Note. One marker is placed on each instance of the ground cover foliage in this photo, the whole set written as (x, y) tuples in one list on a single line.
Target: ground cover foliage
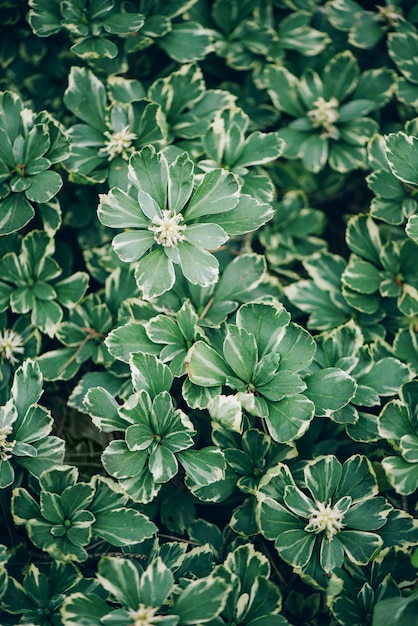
[(208, 312)]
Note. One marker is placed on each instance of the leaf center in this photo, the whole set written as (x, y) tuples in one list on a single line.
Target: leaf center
[(325, 518), (6, 447), (324, 116), (167, 229), (10, 344), (119, 144)]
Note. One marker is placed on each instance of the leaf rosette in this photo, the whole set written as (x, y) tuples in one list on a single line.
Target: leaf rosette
[(169, 221), (25, 428), (398, 424), (30, 144), (157, 437), (333, 515), (329, 110), (263, 357)]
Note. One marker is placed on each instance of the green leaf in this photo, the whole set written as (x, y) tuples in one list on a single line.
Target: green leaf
[(121, 463), (187, 41), (95, 48), (240, 277), (119, 209), (361, 276), (360, 546), (370, 514), (205, 367), (402, 476), (201, 601), (289, 418), (282, 87), (70, 290), (154, 274), (121, 578), (49, 452), (156, 583), (411, 228), (180, 182), (132, 245), (357, 479), (203, 467), (398, 610), (340, 76), (292, 542), (123, 527), (322, 477), (240, 352), (227, 411), (198, 266), (60, 364), (363, 238), (149, 374), (314, 153), (26, 388), (7, 473), (148, 172), (260, 148), (16, 212), (43, 186), (330, 389), (266, 323), (84, 609), (85, 96), (247, 215), (103, 409), (130, 338), (402, 155), (218, 192), (386, 376)]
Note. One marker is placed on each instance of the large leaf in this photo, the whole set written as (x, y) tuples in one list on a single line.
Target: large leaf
[(154, 274), (44, 186), (240, 277), (240, 352), (149, 374), (402, 156), (103, 409), (16, 212), (121, 578), (198, 266), (289, 418), (119, 209), (123, 527), (201, 601), (247, 215), (130, 338), (86, 97), (330, 389), (186, 41), (84, 609), (205, 367), (217, 193)]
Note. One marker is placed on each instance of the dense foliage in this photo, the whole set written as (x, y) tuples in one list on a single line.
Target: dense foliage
[(208, 312)]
